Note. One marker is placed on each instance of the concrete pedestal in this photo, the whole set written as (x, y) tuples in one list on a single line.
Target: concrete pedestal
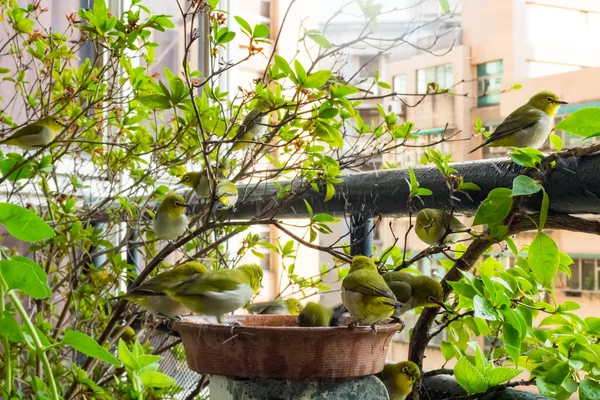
[(223, 388)]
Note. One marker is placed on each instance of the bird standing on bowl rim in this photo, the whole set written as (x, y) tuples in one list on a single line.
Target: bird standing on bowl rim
[(151, 294), (527, 126), (219, 292), (399, 378), (291, 306), (170, 220), (36, 134), (366, 295), (414, 290), (436, 227)]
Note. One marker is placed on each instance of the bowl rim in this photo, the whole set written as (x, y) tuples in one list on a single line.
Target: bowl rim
[(200, 323)]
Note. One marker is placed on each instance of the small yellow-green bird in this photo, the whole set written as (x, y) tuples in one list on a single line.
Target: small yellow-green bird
[(527, 126), (289, 306), (414, 290), (170, 220), (433, 224), (199, 181), (35, 135), (227, 195), (315, 315), (399, 378), (366, 295), (219, 292), (253, 127), (151, 294)]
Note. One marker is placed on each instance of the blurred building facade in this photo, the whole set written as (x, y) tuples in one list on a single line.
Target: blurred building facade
[(504, 44)]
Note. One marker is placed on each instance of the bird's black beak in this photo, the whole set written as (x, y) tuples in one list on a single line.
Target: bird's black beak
[(186, 205), (560, 102)]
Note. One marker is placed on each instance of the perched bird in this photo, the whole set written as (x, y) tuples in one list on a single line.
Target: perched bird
[(289, 306), (253, 127), (315, 315), (219, 292), (414, 290), (170, 221), (527, 126), (199, 181), (433, 224), (226, 194), (151, 295), (399, 378), (366, 295), (35, 135)]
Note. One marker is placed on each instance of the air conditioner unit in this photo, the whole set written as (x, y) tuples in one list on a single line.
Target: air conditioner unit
[(397, 107)]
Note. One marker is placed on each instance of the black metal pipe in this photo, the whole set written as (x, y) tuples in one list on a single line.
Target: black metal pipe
[(361, 236), (573, 187)]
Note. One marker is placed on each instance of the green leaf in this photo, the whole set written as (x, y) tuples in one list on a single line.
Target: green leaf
[(21, 276), (483, 308), (261, 31), (318, 38), (156, 379), (243, 24), (589, 390), (543, 258), (516, 86), (226, 37), (556, 141), (584, 122), (329, 191), (495, 207), (285, 68), (317, 79), (156, 102), (88, 346), (526, 156), (544, 210), (447, 350), (469, 377), (12, 160), (501, 374), (10, 328), (524, 186), (445, 6), (24, 224), (512, 342), (126, 357), (300, 72)]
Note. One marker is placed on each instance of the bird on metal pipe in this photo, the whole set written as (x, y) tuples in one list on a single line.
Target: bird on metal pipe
[(527, 126)]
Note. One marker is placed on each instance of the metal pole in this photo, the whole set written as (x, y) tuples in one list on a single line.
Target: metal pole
[(573, 188), (361, 235), (134, 257)]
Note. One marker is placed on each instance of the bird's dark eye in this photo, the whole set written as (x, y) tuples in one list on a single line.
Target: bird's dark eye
[(177, 204), (405, 370), (549, 99), (432, 299)]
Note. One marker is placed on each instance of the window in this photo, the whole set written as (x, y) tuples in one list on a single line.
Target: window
[(489, 82), (265, 234), (368, 65), (443, 75), (412, 155), (400, 84), (585, 274)]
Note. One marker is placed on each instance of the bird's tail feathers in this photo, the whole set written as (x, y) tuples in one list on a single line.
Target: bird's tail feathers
[(338, 311), (478, 147)]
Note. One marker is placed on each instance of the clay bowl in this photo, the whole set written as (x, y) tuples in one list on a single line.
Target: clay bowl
[(274, 346)]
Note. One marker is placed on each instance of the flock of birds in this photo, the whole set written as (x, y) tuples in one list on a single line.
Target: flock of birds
[(369, 297)]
